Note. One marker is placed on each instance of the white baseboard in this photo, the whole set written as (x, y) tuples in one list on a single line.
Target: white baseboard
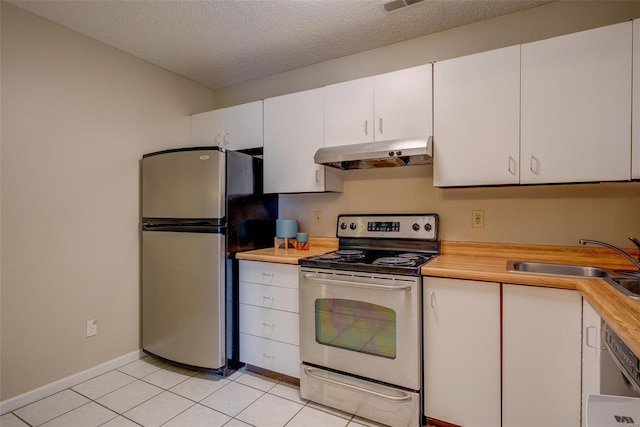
[(67, 382)]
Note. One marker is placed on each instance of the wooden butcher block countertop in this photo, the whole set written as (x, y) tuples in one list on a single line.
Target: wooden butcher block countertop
[(487, 262), (317, 246)]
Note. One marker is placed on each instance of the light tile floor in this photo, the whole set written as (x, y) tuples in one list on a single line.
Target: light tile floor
[(151, 393)]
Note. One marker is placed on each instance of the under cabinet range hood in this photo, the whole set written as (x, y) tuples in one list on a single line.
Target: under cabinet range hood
[(380, 154)]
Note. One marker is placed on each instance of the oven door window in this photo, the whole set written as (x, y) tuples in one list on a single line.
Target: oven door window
[(356, 326)]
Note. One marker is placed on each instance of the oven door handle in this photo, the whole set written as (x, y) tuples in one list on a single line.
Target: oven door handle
[(373, 286), (404, 398)]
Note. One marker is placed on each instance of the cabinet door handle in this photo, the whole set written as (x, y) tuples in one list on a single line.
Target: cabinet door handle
[(587, 343), (317, 175), (380, 125), (534, 165), (432, 298), (512, 166), (226, 138), (217, 139), (366, 127)]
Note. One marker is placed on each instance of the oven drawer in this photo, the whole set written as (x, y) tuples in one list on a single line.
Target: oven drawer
[(269, 273), (266, 296), (272, 355), (391, 406), (271, 324)]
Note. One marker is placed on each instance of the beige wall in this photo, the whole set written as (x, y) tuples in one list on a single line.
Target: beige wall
[(76, 118), (539, 214)]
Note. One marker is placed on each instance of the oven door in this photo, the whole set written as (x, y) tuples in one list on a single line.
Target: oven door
[(362, 324)]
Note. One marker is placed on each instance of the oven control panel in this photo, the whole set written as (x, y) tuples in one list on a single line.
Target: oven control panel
[(409, 226)]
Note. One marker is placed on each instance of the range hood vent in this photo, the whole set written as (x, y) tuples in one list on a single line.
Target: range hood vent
[(381, 154)]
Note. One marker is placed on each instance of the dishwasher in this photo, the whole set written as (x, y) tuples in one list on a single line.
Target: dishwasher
[(618, 403)]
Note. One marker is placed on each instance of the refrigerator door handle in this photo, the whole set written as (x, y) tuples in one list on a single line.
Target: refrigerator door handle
[(195, 227)]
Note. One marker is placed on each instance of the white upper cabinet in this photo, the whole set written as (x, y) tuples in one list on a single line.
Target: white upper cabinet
[(207, 128), (243, 126), (348, 112), (234, 128), (403, 103), (635, 146), (576, 107), (477, 119), (387, 106), (293, 132)]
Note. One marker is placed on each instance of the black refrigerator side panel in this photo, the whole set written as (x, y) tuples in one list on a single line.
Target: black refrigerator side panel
[(251, 214), (251, 222)]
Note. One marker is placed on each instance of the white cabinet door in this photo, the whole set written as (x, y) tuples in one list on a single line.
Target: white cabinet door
[(293, 132), (592, 348), (403, 103), (234, 128), (635, 149), (576, 107), (348, 112), (541, 354), (477, 119), (207, 129), (462, 351), (243, 126)]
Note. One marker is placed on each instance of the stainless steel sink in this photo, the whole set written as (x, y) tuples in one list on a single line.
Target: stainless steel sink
[(628, 286), (625, 281), (557, 269)]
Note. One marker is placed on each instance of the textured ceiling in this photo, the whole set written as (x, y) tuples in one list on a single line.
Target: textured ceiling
[(219, 43)]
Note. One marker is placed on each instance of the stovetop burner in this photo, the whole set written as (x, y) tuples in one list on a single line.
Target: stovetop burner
[(393, 260)]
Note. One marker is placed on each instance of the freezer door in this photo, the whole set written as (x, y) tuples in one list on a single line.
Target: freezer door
[(184, 184), (183, 303)]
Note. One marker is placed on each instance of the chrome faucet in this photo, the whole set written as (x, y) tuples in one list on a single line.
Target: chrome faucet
[(620, 251)]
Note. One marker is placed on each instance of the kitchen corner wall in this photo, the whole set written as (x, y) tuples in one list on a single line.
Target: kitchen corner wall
[(558, 214), (77, 116)]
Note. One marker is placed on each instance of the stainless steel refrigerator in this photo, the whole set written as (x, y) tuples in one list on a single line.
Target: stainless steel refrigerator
[(200, 206)]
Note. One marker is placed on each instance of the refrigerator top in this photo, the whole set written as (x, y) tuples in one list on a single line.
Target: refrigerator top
[(176, 150)]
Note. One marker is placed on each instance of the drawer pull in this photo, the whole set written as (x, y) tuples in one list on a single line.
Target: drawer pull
[(266, 297), (267, 278), (267, 325), (268, 356)]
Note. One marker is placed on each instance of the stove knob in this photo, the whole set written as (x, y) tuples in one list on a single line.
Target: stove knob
[(428, 227), (352, 226), (416, 226), (343, 225)]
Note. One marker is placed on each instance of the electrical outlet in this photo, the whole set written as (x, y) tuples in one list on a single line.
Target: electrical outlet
[(92, 328), (477, 219), (317, 217)]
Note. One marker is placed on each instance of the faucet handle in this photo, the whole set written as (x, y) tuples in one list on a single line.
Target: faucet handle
[(637, 243)]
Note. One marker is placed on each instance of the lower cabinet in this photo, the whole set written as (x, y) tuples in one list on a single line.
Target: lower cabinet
[(541, 356), (269, 332), (462, 351), (592, 348), (502, 355)]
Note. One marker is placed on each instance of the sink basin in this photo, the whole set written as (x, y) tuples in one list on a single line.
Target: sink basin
[(625, 281), (557, 269), (629, 287)]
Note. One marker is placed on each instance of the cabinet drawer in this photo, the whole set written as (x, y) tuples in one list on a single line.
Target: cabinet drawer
[(272, 324), (272, 355), (269, 273), (269, 296)]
